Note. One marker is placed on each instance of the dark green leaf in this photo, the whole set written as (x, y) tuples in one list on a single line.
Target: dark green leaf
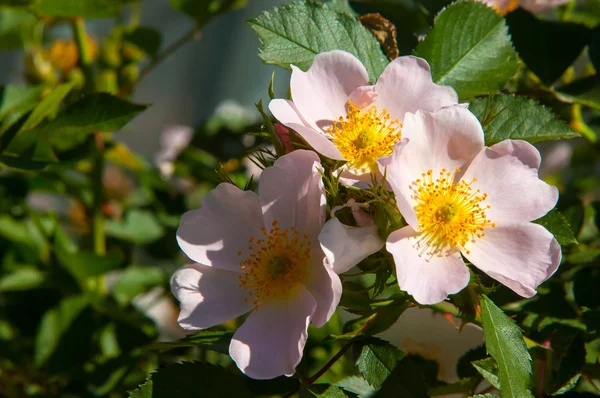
[(557, 224), (15, 3), (16, 28), (84, 265), (488, 368), (463, 386), (75, 8), (197, 380), (464, 368), (547, 47), (356, 385), (146, 39), (47, 107), (585, 283), (55, 325), (136, 280), (24, 278), (355, 297), (203, 11), (594, 48), (144, 391), (584, 91), (323, 391), (504, 341), (139, 226), (294, 33), (377, 361), (406, 381), (469, 49), (518, 118), (16, 101)]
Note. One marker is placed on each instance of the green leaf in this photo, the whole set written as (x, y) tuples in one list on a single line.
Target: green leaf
[(469, 49), (323, 391), (504, 342), (139, 226), (16, 29), (377, 361), (84, 265), (488, 368), (558, 226), (406, 381), (15, 3), (463, 386), (78, 8), (25, 278), (594, 48), (193, 379), (96, 112), (47, 107), (356, 385), (13, 230), (355, 297), (518, 118), (136, 280), (16, 101), (294, 33), (547, 47), (204, 11), (146, 39), (55, 325), (584, 91), (144, 391)]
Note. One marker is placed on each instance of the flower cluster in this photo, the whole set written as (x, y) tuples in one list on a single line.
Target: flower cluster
[(274, 256)]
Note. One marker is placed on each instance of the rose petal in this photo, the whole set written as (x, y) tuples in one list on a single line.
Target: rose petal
[(291, 193), (209, 296), (518, 255), (346, 246), (508, 173), (325, 285), (286, 112), (271, 341), (321, 93), (213, 234), (428, 280), (406, 86)]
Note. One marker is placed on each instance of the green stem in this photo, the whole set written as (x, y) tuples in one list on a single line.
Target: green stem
[(98, 192), (85, 58), (581, 126)]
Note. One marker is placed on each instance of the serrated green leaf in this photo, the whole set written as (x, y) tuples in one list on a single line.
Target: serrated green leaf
[(469, 49), (558, 226), (355, 297), (24, 278), (488, 368), (377, 361), (47, 107), (78, 8), (518, 118), (139, 226), (406, 381), (144, 391), (356, 385), (547, 47), (294, 33), (504, 342), (462, 386), (323, 391), (16, 28), (203, 11)]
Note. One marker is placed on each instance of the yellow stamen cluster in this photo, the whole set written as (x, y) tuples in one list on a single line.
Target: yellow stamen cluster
[(275, 264), (449, 213), (365, 136)]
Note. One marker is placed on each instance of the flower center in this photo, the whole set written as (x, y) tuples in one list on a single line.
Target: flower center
[(365, 136), (275, 264), (449, 213)]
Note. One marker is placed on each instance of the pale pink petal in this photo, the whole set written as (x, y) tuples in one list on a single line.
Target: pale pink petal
[(213, 234), (350, 179), (508, 173), (541, 6), (291, 193), (364, 96), (209, 296), (271, 341), (325, 286), (518, 255), (321, 93), (346, 246), (395, 177), (428, 279), (286, 112), (406, 86)]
